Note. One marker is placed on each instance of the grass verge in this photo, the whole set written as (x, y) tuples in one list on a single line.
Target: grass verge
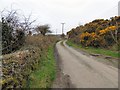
[(94, 50), (44, 76)]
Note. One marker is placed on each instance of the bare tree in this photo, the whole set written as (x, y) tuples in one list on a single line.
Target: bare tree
[(14, 30), (26, 25)]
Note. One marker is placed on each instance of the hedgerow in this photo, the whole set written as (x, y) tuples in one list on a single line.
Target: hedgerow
[(18, 66)]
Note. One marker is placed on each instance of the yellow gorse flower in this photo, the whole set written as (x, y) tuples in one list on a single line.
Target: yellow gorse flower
[(111, 28)]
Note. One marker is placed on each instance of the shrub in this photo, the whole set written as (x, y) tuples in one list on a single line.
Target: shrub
[(98, 33)]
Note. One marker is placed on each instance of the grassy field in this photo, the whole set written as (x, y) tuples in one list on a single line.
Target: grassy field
[(44, 77), (95, 50)]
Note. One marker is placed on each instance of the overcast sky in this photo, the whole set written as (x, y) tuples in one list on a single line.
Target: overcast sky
[(71, 12)]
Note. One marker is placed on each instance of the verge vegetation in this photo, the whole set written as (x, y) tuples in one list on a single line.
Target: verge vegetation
[(94, 50), (46, 73), (31, 66), (99, 36)]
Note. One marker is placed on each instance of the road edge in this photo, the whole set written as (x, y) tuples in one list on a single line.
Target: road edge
[(62, 80)]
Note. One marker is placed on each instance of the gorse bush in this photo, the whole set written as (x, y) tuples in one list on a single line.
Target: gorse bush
[(98, 33), (90, 39)]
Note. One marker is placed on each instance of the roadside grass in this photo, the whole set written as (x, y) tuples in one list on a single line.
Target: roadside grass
[(62, 43), (94, 50), (44, 76)]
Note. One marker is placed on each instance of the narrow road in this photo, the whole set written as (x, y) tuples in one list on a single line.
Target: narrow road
[(84, 71)]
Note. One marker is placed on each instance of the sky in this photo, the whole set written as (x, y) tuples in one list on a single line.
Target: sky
[(71, 12)]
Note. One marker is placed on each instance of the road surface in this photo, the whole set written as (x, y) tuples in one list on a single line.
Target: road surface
[(84, 71)]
